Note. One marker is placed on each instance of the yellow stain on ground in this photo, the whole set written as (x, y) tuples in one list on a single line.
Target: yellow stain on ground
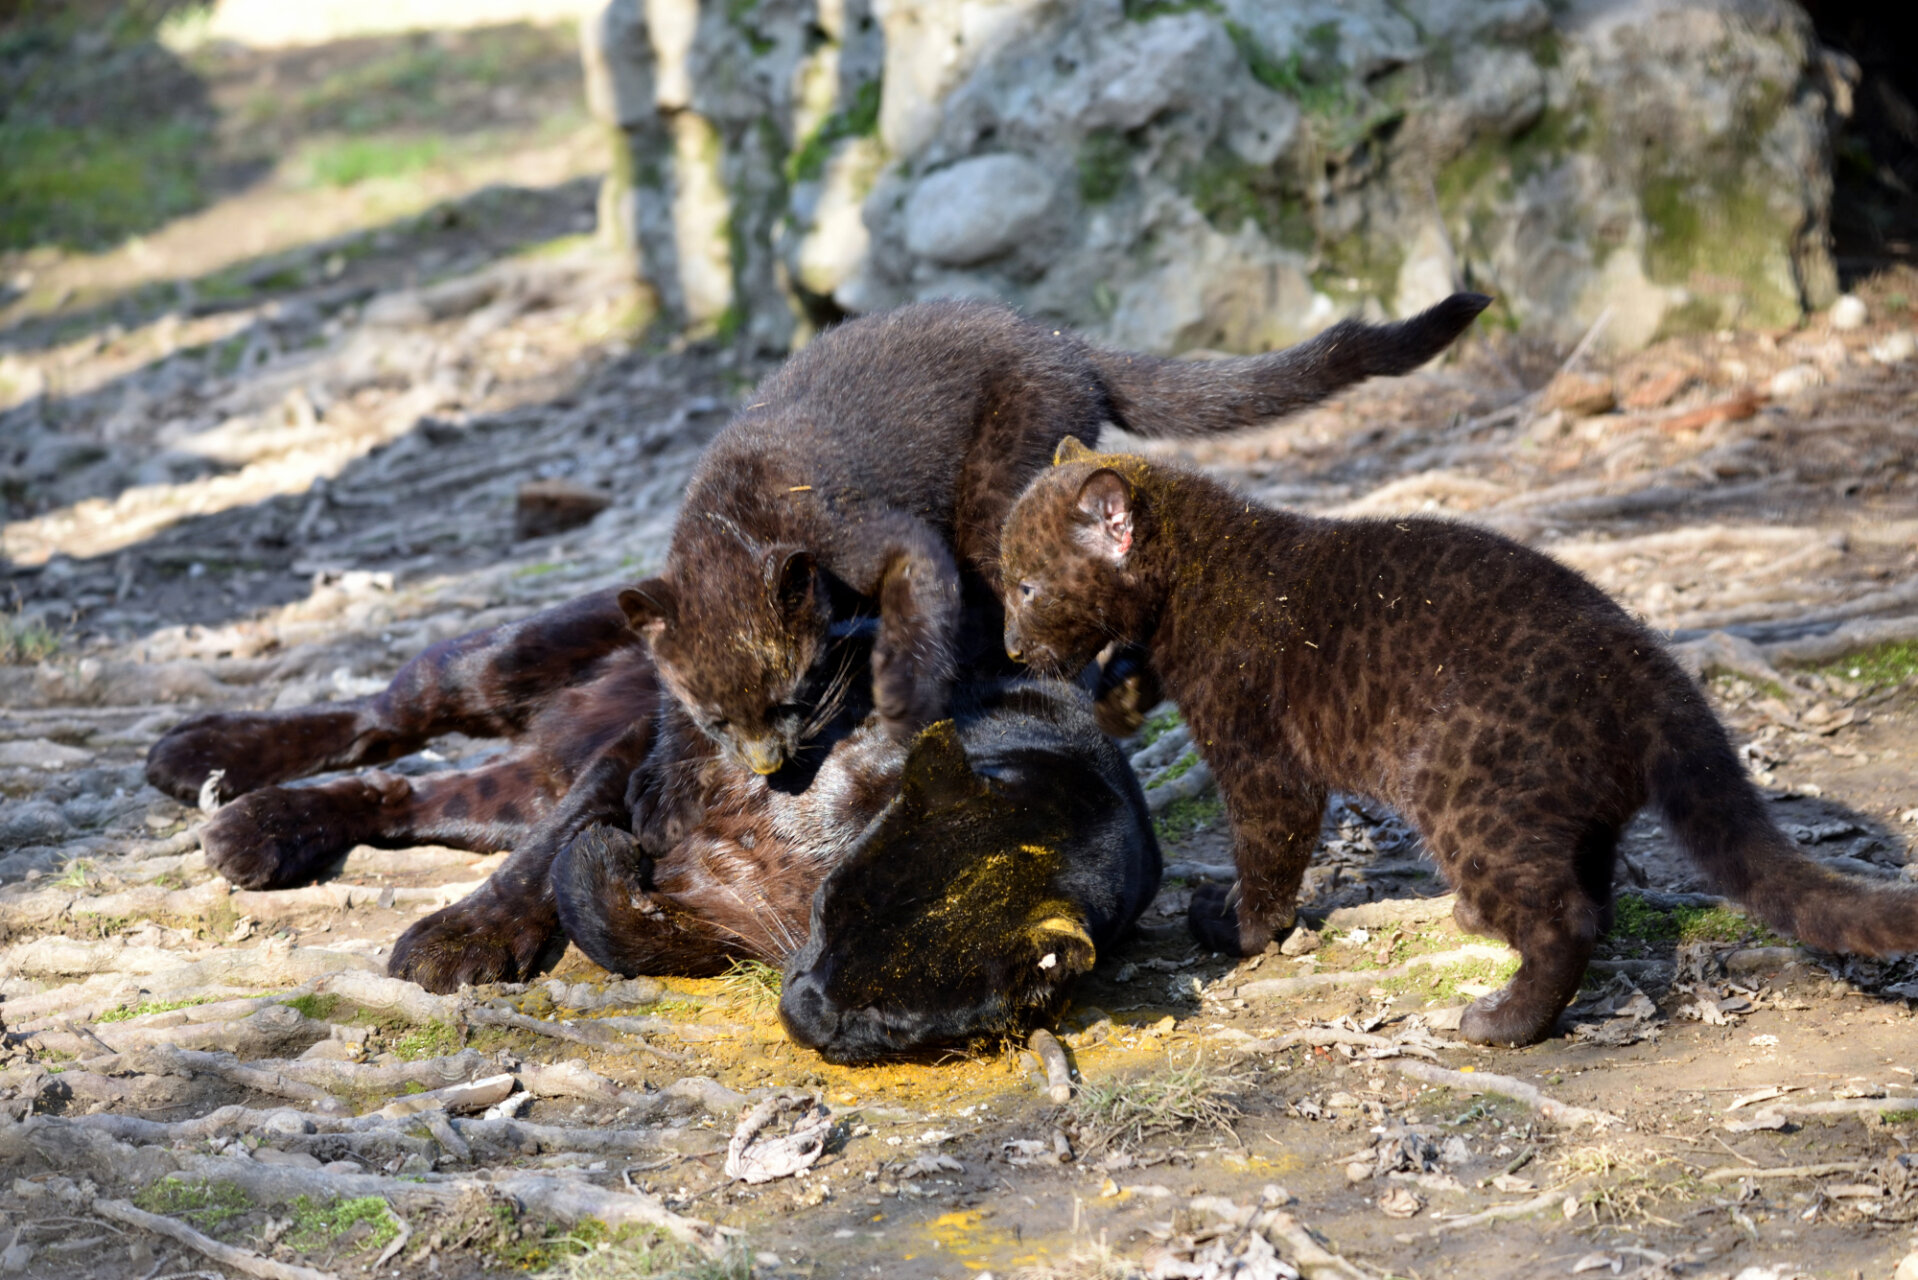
[(974, 1245), (1244, 1162)]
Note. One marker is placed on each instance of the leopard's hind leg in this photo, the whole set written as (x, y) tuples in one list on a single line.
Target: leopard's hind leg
[(487, 684), (280, 836)]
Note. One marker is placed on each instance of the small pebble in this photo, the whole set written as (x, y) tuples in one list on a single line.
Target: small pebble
[(1849, 312)]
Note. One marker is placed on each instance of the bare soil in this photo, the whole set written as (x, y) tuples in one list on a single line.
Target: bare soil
[(278, 496)]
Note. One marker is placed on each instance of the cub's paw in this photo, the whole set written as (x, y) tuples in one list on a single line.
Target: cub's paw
[(1506, 1019), (478, 939), (281, 836), (1214, 918), (1127, 690)]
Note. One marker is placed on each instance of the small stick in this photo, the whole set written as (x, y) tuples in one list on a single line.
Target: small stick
[(397, 1243), (1500, 1212), (1732, 1173), (225, 1254), (1518, 1090), (1053, 1058)]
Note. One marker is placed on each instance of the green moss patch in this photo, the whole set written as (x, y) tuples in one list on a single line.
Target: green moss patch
[(1635, 919), (316, 1225), (1885, 664), (857, 119), (209, 1206), (1185, 818), (87, 187), (145, 1007)]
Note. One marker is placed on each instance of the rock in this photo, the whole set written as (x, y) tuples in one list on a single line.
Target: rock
[(1303, 940), (1848, 313), (1579, 395), (975, 210), (1908, 1269), (32, 822), (1793, 379), (38, 753), (286, 1159), (1233, 176), (1895, 348), (554, 506), (16, 1258)]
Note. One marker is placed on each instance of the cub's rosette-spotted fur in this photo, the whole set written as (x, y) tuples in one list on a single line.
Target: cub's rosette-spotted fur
[(1508, 708)]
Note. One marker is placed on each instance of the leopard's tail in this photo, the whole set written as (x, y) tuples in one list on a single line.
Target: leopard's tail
[(1157, 396), (1722, 821)]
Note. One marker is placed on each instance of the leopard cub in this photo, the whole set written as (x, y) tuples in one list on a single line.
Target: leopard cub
[(1507, 707)]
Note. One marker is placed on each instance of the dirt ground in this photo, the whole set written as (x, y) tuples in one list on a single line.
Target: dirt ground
[(250, 472)]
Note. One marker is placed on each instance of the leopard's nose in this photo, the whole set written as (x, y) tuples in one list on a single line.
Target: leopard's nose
[(764, 756)]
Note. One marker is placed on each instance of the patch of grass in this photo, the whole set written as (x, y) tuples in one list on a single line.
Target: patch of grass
[(1450, 983), (342, 162), (145, 1007), (1318, 91), (1125, 1112), (752, 983), (539, 569), (75, 876), (1628, 1184), (434, 1040), (1176, 770), (1634, 918), (314, 1005), (1146, 10), (1184, 818), (1904, 1116), (25, 643), (1885, 664), (88, 187), (317, 1226), (636, 1255), (1229, 192), (1158, 724), (857, 119), (209, 1206)]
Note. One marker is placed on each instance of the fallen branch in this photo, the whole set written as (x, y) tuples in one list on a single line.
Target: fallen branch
[(72, 1145), (1732, 1173), (474, 1095), (163, 1059), (1053, 1058), (1502, 1212), (225, 1254), (1476, 1082)]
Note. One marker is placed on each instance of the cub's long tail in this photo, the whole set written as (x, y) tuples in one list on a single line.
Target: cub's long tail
[(1721, 820), (1156, 396)]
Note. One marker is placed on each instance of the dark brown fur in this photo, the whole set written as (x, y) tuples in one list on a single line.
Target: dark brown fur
[(1506, 706), (573, 688), (871, 475)]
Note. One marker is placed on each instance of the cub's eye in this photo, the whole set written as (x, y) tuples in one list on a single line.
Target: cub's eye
[(1028, 591), (718, 724)]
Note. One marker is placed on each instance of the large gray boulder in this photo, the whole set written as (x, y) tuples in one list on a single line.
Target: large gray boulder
[(1232, 174)]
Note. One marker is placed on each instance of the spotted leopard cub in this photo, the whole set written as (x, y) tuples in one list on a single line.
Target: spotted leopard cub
[(1508, 708)]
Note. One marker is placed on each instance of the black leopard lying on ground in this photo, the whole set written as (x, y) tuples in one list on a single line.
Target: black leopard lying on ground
[(914, 893)]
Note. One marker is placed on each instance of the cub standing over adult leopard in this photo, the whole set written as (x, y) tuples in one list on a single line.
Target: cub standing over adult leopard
[(1503, 704), (871, 475)]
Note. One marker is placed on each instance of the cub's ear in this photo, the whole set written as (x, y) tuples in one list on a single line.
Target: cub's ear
[(1106, 501), (1061, 948), (937, 773), (650, 606), (1070, 450), (789, 577)]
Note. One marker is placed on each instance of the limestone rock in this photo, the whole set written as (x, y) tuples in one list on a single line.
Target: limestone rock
[(1231, 177), (976, 209)]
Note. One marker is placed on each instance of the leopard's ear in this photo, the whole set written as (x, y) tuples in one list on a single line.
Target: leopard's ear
[(937, 774), (1106, 501), (650, 606), (1061, 947), (789, 577), (1070, 450)]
